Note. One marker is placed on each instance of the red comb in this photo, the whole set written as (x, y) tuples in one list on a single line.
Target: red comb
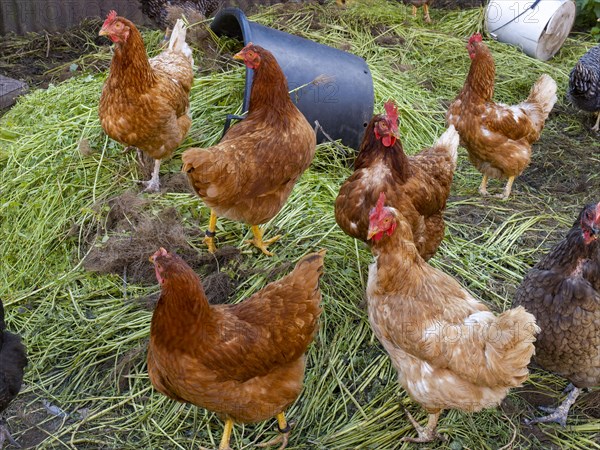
[(111, 17), (160, 252), (391, 111), (380, 202), (475, 38)]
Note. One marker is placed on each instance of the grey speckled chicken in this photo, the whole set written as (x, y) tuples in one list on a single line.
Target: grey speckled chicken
[(13, 360), (563, 292), (584, 84)]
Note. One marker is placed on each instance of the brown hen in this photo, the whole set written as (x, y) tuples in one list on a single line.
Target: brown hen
[(145, 102), (245, 362), (249, 175), (449, 349), (418, 186), (498, 137), (563, 292)]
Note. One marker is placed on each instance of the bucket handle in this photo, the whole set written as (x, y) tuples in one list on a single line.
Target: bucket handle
[(533, 5)]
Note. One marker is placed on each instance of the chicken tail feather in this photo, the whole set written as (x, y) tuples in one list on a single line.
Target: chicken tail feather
[(450, 139), (543, 93), (510, 345), (177, 42), (312, 263)]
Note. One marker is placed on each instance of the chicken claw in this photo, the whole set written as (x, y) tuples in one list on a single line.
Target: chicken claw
[(596, 127), (153, 185), (284, 435), (427, 433), (483, 186), (258, 240), (5, 435), (558, 414)]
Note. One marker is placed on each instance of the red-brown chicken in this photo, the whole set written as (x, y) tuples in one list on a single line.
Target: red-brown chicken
[(249, 175), (245, 362), (145, 102), (563, 292), (498, 137), (449, 349), (416, 185)]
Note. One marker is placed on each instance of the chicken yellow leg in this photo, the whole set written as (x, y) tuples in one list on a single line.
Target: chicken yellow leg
[(597, 126), (414, 11), (427, 433), (426, 13), (483, 186), (209, 238), (258, 240), (283, 438), (226, 435), (507, 188)]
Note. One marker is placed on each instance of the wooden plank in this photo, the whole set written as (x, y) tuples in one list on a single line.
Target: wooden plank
[(9, 91)]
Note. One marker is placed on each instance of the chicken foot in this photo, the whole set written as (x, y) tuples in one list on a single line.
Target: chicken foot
[(258, 240), (153, 185), (5, 435), (596, 127), (284, 430), (483, 186), (426, 13), (427, 433), (224, 445), (209, 238), (507, 188), (558, 414)]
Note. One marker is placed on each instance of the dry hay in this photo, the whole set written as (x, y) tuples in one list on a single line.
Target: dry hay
[(134, 230)]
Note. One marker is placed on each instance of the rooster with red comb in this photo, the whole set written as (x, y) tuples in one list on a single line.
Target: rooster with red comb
[(418, 186)]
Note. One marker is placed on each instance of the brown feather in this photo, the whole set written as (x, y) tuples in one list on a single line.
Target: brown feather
[(250, 174), (243, 361), (498, 137), (145, 103), (449, 350), (418, 186)]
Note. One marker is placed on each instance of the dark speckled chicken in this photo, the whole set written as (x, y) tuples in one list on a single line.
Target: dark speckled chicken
[(563, 292), (165, 12), (13, 360), (159, 10), (584, 84)]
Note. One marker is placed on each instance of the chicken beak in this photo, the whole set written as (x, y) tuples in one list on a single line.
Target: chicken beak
[(103, 32), (239, 56), (372, 232)]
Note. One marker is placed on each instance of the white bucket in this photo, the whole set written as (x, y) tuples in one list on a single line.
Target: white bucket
[(539, 31)]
